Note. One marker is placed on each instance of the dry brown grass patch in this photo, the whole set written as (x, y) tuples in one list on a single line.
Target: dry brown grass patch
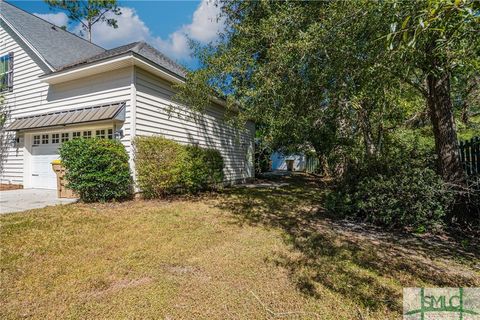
[(250, 253)]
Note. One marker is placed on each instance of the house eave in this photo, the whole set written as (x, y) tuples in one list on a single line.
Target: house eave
[(145, 64), (113, 63), (88, 69)]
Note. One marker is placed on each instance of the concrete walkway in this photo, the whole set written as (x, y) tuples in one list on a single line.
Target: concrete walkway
[(26, 199)]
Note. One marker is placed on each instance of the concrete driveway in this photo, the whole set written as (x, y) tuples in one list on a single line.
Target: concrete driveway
[(26, 199)]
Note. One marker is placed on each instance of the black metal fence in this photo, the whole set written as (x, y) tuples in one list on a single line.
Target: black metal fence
[(470, 155), (312, 164)]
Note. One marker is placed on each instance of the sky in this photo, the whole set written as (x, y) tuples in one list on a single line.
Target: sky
[(166, 25)]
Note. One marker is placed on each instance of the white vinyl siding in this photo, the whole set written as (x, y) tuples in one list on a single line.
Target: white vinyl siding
[(149, 95), (30, 96), (158, 115)]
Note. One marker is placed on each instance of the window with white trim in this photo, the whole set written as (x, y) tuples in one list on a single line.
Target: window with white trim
[(55, 137), (65, 136), (6, 72), (110, 134), (36, 140), (100, 134), (87, 134), (44, 138), (76, 135)]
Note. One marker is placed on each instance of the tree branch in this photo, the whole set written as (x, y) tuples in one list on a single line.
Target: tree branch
[(100, 16)]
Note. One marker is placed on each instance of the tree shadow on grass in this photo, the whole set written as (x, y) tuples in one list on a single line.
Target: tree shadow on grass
[(364, 263)]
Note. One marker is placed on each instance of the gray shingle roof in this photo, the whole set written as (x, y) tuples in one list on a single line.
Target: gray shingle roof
[(64, 50), (73, 116), (141, 48), (58, 47)]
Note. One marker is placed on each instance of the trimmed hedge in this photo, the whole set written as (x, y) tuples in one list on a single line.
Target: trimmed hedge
[(97, 169), (202, 170), (166, 167)]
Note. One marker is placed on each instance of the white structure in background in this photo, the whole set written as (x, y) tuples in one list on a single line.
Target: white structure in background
[(281, 162)]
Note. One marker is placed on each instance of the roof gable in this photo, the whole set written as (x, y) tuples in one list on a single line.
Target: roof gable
[(55, 45), (61, 50), (140, 48)]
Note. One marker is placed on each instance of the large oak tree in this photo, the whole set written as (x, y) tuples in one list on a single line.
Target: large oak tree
[(339, 73)]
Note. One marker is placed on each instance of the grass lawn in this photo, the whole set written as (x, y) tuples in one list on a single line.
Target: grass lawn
[(250, 253)]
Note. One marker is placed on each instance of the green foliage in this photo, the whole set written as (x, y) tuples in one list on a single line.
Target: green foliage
[(263, 151), (401, 193), (333, 74), (449, 28), (87, 13), (4, 135), (307, 80), (157, 163), (415, 198), (166, 167), (97, 169), (202, 169), (438, 41), (471, 129), (262, 160), (349, 79)]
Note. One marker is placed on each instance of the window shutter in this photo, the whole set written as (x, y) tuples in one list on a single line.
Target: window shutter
[(3, 66), (3, 73), (10, 71)]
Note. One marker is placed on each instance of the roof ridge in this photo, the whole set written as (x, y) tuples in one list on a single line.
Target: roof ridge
[(140, 44), (164, 56), (140, 48), (54, 25), (99, 55)]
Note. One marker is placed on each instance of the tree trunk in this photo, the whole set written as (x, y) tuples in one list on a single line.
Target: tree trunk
[(441, 115), (366, 129), (89, 31), (464, 116)]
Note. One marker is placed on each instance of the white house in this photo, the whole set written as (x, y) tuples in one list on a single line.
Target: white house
[(59, 86)]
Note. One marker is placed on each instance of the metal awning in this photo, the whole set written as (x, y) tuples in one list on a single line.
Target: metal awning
[(74, 116)]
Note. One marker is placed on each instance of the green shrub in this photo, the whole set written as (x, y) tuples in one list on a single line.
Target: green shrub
[(157, 163), (262, 157), (97, 169), (413, 198), (166, 167), (409, 197), (202, 169)]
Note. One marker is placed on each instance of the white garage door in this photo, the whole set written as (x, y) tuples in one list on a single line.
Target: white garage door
[(45, 148), (43, 153)]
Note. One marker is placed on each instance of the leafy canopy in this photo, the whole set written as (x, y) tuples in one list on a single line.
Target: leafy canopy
[(343, 78)]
